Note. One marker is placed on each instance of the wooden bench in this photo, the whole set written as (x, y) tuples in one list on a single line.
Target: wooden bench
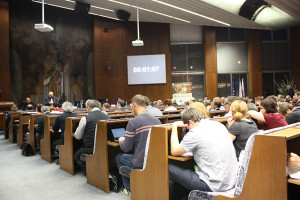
[(4, 107), (171, 112), (45, 144), (23, 127), (32, 129), (71, 145), (14, 119), (218, 113), (265, 178), (98, 164)]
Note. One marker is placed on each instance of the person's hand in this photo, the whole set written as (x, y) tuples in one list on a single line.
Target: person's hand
[(179, 124), (51, 102), (293, 160), (121, 139)]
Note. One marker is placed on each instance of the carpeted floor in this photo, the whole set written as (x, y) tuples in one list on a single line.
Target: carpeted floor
[(31, 178)]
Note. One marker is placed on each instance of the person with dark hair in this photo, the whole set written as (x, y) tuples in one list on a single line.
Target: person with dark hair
[(86, 130), (268, 114), (174, 103), (135, 138), (38, 108), (80, 104), (168, 105), (285, 109), (227, 103), (294, 116), (25, 103), (290, 91), (297, 97), (121, 105), (217, 104), (57, 107), (216, 164)]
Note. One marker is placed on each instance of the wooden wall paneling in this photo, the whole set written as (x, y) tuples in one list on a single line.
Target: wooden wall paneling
[(4, 51), (254, 63), (210, 59), (294, 52)]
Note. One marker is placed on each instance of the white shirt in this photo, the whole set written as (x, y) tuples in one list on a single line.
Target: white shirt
[(171, 108)]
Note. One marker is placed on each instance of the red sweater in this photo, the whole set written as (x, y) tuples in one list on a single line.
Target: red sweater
[(273, 120)]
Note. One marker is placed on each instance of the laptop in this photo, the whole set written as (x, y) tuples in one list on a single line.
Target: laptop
[(118, 132)]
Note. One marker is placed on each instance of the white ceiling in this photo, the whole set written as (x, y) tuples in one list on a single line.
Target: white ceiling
[(151, 11)]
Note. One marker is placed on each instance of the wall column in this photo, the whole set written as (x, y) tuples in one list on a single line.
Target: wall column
[(210, 57), (4, 51), (254, 63), (294, 52)]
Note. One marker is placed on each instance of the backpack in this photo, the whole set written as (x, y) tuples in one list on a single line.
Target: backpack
[(27, 149)]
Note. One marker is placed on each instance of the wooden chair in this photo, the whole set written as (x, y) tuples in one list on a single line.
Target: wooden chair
[(45, 144), (23, 127), (32, 130), (98, 164), (67, 151), (14, 120), (4, 107)]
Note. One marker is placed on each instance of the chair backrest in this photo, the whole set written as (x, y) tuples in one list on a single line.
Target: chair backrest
[(242, 172)]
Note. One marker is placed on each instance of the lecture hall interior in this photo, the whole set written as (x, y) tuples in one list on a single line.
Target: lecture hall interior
[(163, 49)]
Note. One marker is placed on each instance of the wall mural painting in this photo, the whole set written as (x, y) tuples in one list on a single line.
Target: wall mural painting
[(60, 61)]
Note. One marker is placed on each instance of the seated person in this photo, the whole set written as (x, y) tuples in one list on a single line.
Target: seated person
[(227, 103), (25, 103), (217, 104), (174, 103), (59, 124), (13, 108), (135, 139), (268, 115), (168, 105), (105, 106), (50, 99), (38, 108), (57, 107), (240, 128), (29, 108), (152, 111), (121, 105), (285, 109), (80, 104), (213, 152), (40, 126), (294, 116), (86, 130), (201, 107), (159, 103), (293, 160)]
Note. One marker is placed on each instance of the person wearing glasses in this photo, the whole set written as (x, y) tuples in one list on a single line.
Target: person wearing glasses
[(268, 114)]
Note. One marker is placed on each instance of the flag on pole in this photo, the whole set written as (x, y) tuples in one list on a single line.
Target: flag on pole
[(233, 87), (243, 89), (240, 88)]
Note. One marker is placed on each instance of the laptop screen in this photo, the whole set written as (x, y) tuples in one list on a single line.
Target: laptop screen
[(118, 132)]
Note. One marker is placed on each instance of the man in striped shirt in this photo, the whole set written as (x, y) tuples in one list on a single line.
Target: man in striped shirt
[(135, 138)]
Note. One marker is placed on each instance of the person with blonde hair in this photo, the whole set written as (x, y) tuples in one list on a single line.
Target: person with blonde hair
[(240, 128), (201, 107)]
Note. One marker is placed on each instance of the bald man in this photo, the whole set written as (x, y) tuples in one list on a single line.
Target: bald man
[(50, 99)]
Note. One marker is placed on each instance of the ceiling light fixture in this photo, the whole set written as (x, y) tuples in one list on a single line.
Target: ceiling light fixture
[(43, 27), (103, 16), (191, 12), (138, 42), (125, 4)]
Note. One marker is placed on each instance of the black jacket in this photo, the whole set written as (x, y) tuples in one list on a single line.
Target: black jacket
[(40, 125), (60, 122)]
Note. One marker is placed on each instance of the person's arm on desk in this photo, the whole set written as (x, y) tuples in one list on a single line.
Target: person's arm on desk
[(293, 160), (176, 149), (80, 129)]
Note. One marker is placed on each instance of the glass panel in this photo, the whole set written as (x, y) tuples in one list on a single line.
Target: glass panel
[(222, 34), (280, 35), (237, 34), (266, 54), (281, 79), (268, 84), (197, 85), (178, 53), (195, 57), (232, 57), (239, 78), (224, 85), (281, 56), (266, 35)]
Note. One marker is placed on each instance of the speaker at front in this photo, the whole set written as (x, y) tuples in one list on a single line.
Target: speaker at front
[(82, 7), (123, 15)]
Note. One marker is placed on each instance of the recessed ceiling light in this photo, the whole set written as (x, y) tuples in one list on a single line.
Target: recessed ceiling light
[(191, 12), (141, 8)]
